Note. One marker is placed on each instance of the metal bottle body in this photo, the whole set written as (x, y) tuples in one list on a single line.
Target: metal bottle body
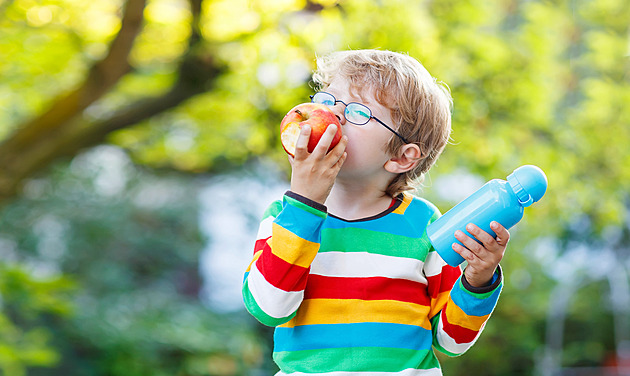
[(495, 201)]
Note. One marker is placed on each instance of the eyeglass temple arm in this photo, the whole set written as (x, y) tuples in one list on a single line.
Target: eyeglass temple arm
[(393, 131)]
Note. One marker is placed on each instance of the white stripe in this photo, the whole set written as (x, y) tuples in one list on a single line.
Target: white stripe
[(449, 343), (273, 301), (407, 372), (363, 264), (433, 264), (264, 230)]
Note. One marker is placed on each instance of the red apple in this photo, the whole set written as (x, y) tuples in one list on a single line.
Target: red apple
[(317, 116)]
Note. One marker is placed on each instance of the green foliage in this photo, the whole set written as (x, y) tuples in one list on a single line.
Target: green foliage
[(25, 339), (113, 287)]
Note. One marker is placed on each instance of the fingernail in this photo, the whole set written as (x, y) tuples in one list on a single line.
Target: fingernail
[(469, 227), (494, 224)]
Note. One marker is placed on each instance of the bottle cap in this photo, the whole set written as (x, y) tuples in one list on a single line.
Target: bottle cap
[(529, 183)]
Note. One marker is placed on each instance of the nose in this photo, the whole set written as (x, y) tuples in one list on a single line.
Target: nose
[(338, 110)]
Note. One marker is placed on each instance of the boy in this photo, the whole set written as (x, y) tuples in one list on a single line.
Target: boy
[(342, 266)]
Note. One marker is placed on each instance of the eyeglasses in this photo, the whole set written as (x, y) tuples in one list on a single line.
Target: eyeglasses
[(356, 113)]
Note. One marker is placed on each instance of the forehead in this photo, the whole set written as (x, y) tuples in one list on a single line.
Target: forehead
[(343, 89)]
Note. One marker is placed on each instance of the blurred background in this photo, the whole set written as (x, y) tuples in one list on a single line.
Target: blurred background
[(139, 147)]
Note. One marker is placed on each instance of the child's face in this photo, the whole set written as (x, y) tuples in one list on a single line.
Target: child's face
[(366, 143)]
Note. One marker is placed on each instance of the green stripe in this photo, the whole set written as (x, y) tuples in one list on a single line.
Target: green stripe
[(356, 359), (306, 208), (254, 309), (483, 295), (362, 240), (273, 210)]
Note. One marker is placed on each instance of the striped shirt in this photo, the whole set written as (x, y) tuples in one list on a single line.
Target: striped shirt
[(364, 297)]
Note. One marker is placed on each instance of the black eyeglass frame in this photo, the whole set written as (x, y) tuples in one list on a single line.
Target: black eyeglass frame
[(360, 104)]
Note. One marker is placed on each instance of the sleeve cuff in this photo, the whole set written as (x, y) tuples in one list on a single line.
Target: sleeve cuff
[(497, 278), (307, 201)]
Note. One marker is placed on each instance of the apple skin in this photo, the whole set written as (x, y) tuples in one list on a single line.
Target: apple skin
[(317, 116)]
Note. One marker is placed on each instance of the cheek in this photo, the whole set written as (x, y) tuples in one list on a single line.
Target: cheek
[(364, 150), (366, 140)]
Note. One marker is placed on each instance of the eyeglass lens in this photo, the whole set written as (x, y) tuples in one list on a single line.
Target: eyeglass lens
[(324, 98), (355, 113)]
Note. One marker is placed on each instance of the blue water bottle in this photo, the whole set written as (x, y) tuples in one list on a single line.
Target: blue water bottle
[(498, 200)]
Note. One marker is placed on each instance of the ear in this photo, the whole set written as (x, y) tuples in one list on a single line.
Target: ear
[(409, 157)]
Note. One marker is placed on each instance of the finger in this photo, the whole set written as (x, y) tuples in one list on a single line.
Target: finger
[(503, 235), (301, 145), (469, 242), (338, 150), (464, 252), (486, 239), (337, 166), (324, 143)]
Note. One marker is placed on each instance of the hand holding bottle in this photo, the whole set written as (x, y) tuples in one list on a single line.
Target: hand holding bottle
[(483, 254), (497, 201)]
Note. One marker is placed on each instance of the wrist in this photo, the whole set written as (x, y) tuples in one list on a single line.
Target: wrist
[(476, 280), (486, 286), (306, 200), (308, 194)]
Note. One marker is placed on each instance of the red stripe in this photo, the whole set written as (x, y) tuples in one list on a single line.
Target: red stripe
[(443, 281), (260, 244), (281, 274), (458, 333), (368, 288)]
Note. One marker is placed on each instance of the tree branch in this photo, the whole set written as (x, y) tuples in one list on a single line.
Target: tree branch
[(103, 75), (63, 131), (196, 76)]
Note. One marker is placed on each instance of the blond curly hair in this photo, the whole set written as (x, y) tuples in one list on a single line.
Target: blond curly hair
[(420, 105)]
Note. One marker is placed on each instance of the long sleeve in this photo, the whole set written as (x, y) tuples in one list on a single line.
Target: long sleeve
[(459, 311), (288, 240)]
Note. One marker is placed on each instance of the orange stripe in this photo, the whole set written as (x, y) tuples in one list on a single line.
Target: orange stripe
[(458, 333), (347, 311), (456, 316), (439, 303), (291, 248), (404, 205)]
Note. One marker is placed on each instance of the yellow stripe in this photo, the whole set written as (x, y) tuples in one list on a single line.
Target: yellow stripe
[(456, 316), (438, 303), (291, 248), (405, 203), (256, 256), (347, 311)]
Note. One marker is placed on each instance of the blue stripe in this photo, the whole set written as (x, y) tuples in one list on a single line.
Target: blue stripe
[(302, 223), (412, 224), (474, 305), (323, 336)]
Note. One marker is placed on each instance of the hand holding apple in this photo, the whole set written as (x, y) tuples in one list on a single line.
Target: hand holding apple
[(311, 135), (317, 116), (313, 174)]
